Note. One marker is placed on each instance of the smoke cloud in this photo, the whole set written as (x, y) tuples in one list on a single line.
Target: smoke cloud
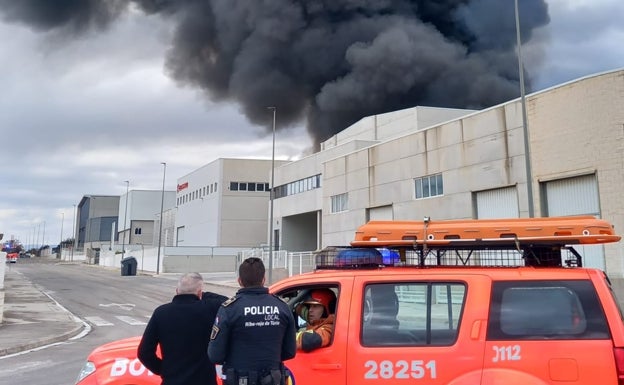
[(327, 62)]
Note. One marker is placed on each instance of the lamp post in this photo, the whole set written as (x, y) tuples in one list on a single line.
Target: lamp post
[(271, 201), (162, 203), (71, 258), (123, 245), (61, 242), (525, 128)]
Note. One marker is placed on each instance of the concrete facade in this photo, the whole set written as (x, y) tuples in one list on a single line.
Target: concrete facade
[(300, 212), (211, 212), (575, 130), (143, 212), (96, 221)]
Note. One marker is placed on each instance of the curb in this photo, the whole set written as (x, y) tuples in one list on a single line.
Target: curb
[(42, 342)]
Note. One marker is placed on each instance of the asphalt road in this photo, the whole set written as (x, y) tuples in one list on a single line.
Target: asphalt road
[(115, 307)]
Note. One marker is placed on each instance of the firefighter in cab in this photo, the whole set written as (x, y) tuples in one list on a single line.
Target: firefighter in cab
[(317, 310)]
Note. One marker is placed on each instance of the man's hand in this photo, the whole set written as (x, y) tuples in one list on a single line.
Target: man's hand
[(308, 340)]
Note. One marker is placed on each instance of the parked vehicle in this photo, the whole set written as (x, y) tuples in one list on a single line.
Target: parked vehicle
[(454, 303)]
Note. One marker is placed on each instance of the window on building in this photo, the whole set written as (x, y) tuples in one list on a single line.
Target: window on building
[(251, 187), (339, 203), (242, 186), (215, 186), (429, 186), (233, 186), (260, 186), (298, 186), (137, 231)]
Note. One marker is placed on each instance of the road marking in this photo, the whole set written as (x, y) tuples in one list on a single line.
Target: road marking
[(130, 320), (124, 306), (98, 321), (19, 368), (16, 321)]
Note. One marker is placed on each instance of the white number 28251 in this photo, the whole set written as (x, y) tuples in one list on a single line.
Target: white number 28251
[(401, 369)]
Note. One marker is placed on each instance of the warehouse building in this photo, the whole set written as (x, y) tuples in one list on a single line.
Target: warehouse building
[(471, 165), (224, 204)]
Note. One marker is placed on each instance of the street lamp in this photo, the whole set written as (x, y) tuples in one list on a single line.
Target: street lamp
[(271, 201), (61, 242), (525, 128), (74, 230), (162, 202), (123, 245)]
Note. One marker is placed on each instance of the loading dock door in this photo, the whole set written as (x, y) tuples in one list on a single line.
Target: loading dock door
[(497, 203), (382, 213), (576, 196)]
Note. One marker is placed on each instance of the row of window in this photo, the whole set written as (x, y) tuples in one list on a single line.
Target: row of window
[(197, 194), (424, 187), (298, 186), (249, 186)]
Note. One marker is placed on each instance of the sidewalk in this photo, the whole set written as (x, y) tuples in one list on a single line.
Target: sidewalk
[(33, 319)]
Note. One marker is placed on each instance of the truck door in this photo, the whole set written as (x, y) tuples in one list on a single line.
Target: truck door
[(325, 365), (420, 328), (547, 330)]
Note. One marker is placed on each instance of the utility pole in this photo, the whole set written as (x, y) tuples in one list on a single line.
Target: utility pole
[(123, 245), (61, 242), (525, 128), (162, 202), (74, 230), (271, 193)]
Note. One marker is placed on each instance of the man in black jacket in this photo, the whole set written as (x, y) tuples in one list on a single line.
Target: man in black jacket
[(182, 329), (254, 332)]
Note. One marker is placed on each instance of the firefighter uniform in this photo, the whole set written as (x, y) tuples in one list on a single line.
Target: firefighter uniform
[(253, 333)]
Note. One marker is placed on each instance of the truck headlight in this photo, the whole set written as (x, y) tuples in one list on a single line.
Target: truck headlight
[(87, 368)]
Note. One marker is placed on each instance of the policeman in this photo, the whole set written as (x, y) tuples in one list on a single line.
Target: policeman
[(253, 332)]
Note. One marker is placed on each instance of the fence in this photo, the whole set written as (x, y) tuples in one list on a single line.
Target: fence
[(292, 263), (203, 259)]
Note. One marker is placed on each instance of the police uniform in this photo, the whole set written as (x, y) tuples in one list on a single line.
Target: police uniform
[(253, 333)]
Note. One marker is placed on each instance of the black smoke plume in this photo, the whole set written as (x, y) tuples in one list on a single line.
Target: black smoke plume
[(328, 62)]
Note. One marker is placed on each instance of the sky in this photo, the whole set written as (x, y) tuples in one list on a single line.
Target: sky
[(85, 107)]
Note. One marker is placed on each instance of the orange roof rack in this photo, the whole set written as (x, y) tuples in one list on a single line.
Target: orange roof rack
[(550, 230)]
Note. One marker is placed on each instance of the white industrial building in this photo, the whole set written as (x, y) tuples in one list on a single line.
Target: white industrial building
[(453, 164), (224, 204), (423, 161), (139, 211)]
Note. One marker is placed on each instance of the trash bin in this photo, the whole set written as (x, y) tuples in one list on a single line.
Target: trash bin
[(128, 266)]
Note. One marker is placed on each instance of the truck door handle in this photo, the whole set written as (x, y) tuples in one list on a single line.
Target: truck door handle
[(326, 366)]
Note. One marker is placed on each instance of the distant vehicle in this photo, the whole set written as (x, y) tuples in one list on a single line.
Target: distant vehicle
[(13, 249), (468, 302), (12, 257)]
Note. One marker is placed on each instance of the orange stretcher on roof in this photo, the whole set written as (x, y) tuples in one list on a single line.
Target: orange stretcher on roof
[(552, 230)]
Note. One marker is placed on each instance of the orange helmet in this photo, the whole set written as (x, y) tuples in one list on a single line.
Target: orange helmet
[(321, 297)]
